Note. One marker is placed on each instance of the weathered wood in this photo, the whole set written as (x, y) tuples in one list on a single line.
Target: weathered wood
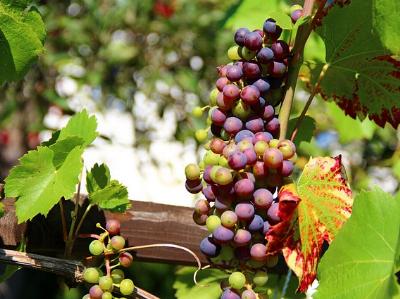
[(71, 270)]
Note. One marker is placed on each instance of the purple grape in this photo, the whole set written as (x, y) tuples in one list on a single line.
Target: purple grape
[(221, 82), (234, 73), (271, 30), (258, 252), (262, 198), (222, 204), (262, 85), (209, 193), (242, 253), (222, 234), (217, 145), (275, 82), (272, 213), (223, 103), (237, 160), (251, 70), (287, 168), (265, 136), (245, 211), (209, 248), (242, 237), (265, 55), (199, 219), (245, 144), (250, 94), (221, 70), (244, 188), (193, 186), (280, 49), (258, 106), (273, 126), (251, 156), (259, 31), (244, 134), (276, 69), (231, 92), (269, 113), (273, 158), (230, 149), (233, 125), (229, 294), (207, 174), (255, 124), (249, 294), (256, 224), (274, 179), (296, 14), (253, 41), (259, 169), (240, 35), (266, 227)]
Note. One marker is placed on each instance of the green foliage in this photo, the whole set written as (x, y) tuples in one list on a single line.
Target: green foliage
[(385, 21), (1, 209), (360, 72), (305, 131), (106, 193), (362, 260), (22, 35)]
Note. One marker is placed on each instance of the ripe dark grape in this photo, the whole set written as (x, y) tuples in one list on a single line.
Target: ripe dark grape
[(234, 73), (268, 113), (258, 252), (221, 82), (240, 35), (296, 14), (265, 136), (237, 160), (242, 253), (256, 224), (113, 226), (242, 237), (229, 294), (244, 189), (222, 234), (250, 94), (245, 211), (265, 55), (259, 169), (273, 126), (251, 70), (255, 124), (209, 248), (251, 156), (272, 213), (262, 198), (222, 204), (277, 69), (287, 168), (253, 41), (231, 92), (262, 85), (266, 227), (233, 125), (280, 49), (244, 134), (259, 105), (272, 30), (218, 116), (193, 186)]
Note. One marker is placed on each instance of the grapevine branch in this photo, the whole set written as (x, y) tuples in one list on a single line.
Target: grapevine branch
[(72, 270)]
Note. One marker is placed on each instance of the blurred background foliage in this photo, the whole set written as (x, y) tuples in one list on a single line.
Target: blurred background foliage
[(156, 60)]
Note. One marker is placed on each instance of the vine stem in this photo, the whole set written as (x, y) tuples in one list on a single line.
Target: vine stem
[(295, 63), (63, 222), (82, 219), (309, 101)]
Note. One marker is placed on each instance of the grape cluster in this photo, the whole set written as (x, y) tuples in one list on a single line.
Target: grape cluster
[(109, 244), (245, 163)]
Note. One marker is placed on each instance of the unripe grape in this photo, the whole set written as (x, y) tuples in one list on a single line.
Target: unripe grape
[(95, 292), (192, 171), (246, 53), (126, 287), (217, 145), (245, 144), (287, 148), (96, 247), (260, 147), (237, 280), (197, 112), (223, 176), (213, 222), (113, 226), (201, 135), (233, 53), (213, 96), (91, 275), (125, 259), (229, 219), (107, 295), (117, 242), (273, 143), (222, 161), (260, 278), (87, 296), (106, 283), (211, 158), (117, 275), (272, 261)]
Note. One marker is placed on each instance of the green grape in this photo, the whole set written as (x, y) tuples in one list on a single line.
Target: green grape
[(213, 222), (106, 283), (87, 296), (222, 175), (260, 278), (126, 287), (224, 135), (237, 280), (208, 121), (246, 53), (197, 112), (233, 53), (295, 7), (241, 110), (201, 135), (91, 275), (210, 158), (117, 243), (96, 247), (117, 275), (213, 96), (273, 143), (222, 161), (201, 165), (107, 295), (260, 147), (192, 171)]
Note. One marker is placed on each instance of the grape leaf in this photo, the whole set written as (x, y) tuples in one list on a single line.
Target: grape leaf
[(44, 176), (361, 76), (107, 194), (208, 287), (306, 129), (312, 211), (22, 35), (81, 125), (361, 262)]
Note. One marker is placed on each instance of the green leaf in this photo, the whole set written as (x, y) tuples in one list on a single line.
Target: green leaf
[(98, 178), (396, 169), (361, 262), (361, 75), (43, 177), (1, 209), (385, 15), (208, 284), (81, 125), (306, 129), (253, 13), (22, 34)]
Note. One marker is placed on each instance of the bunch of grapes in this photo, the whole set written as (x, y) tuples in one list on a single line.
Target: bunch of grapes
[(245, 163), (109, 244)]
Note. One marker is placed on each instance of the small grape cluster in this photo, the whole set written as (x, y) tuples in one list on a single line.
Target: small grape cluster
[(110, 244), (245, 163)]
